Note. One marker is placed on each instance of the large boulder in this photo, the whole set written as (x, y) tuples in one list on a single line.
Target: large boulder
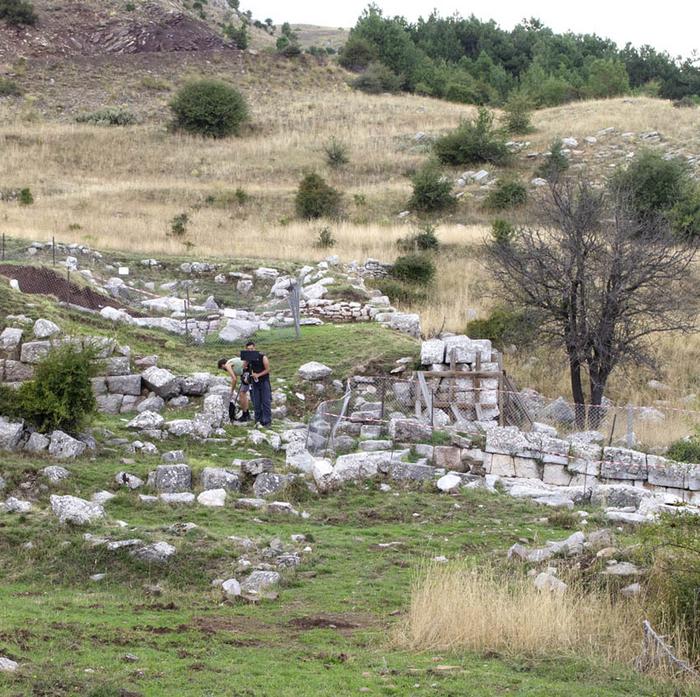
[(153, 403), (237, 330), (10, 340), (269, 483), (55, 474), (37, 443), (259, 581), (432, 352), (45, 328), (34, 351), (180, 427), (70, 509), (558, 412), (314, 371), (324, 474), (171, 478), (17, 372), (65, 447), (124, 384), (130, 481), (156, 553), (10, 434), (220, 478), (146, 421), (410, 431), (161, 381), (212, 498)]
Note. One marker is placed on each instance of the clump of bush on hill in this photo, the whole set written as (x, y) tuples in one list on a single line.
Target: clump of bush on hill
[(657, 185), (209, 108), (377, 78), (424, 240), (18, 12), (517, 113), (474, 142), (504, 327), (508, 193), (555, 162), (316, 198), (685, 450), (432, 190), (60, 394), (109, 116), (9, 88), (414, 268)]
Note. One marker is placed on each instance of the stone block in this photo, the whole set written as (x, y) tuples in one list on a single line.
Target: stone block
[(17, 372), (125, 384), (34, 351), (447, 456), (664, 472), (501, 465), (432, 351), (527, 468), (557, 475), (117, 365), (621, 463)]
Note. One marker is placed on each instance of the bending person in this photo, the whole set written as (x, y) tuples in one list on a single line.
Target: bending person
[(236, 368)]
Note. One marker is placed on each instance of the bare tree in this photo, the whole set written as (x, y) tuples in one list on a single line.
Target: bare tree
[(599, 282)]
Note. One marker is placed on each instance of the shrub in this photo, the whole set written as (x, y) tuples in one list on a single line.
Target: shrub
[(209, 108), (508, 193), (686, 102), (239, 35), (673, 548), (607, 78), (377, 79), (502, 231), (504, 327), (400, 292), (660, 186), (685, 450), (17, 12), (432, 191), (60, 395), (325, 239), (241, 195), (336, 153), (554, 163), (110, 116), (129, 7), (685, 215), (178, 225), (25, 197), (424, 240), (357, 53), (9, 88), (517, 114), (316, 199), (414, 268), (473, 142)]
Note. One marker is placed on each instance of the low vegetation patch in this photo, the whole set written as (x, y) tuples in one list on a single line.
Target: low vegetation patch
[(414, 268), (316, 198), (508, 193), (110, 116), (432, 190)]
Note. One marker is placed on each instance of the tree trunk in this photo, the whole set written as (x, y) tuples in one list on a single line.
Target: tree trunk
[(596, 413), (577, 391)]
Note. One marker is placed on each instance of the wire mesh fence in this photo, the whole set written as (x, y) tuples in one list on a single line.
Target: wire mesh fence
[(369, 404)]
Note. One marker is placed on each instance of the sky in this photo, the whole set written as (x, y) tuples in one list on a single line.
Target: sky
[(673, 25)]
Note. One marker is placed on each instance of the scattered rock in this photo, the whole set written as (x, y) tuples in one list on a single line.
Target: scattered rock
[(70, 509), (156, 553)]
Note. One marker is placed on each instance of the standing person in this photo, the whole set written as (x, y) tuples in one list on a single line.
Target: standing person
[(261, 387), (236, 368)]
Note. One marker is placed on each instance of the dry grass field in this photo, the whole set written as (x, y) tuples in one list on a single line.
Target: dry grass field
[(120, 188)]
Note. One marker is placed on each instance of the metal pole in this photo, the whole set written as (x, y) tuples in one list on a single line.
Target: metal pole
[(3, 246), (630, 426), (53, 249), (187, 306)]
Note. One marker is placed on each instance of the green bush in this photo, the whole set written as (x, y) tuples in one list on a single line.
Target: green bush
[(60, 395), (25, 197), (554, 163), (607, 78), (110, 116), (209, 108), (685, 215), (316, 199), (672, 549), (504, 327), (17, 12), (414, 268), (325, 239), (239, 35), (517, 110), (508, 193), (178, 225), (9, 88), (685, 450), (377, 79), (400, 292), (336, 153), (425, 240), (473, 142), (502, 231), (660, 186), (242, 196), (357, 53), (687, 102), (432, 190)]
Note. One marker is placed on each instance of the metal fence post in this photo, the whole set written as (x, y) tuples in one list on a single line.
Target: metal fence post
[(629, 439), (3, 246), (187, 307), (53, 249)]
